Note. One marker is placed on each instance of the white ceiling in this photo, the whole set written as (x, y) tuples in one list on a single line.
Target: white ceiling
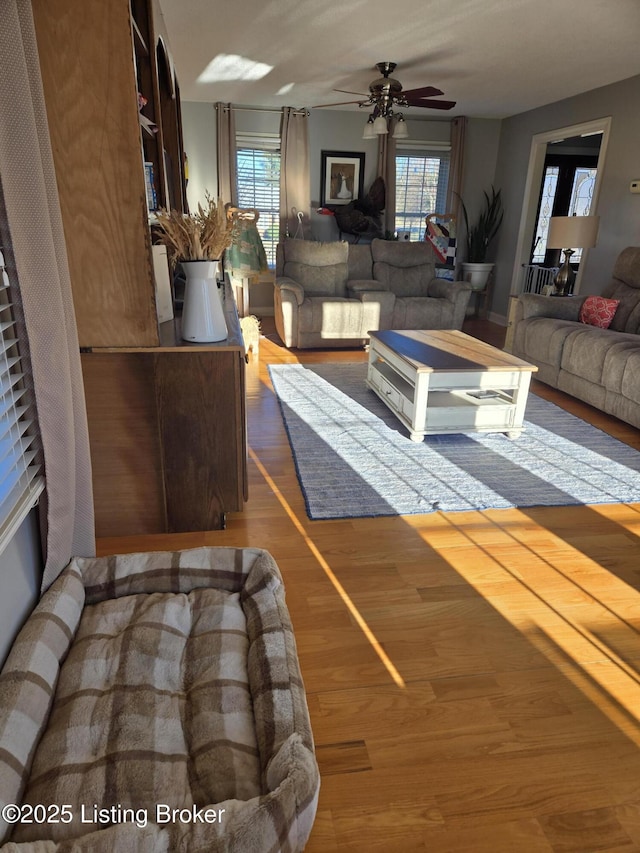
[(495, 58)]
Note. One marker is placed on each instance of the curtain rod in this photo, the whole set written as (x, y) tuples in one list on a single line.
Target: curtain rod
[(297, 111)]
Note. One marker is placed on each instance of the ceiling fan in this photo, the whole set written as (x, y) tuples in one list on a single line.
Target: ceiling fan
[(386, 92)]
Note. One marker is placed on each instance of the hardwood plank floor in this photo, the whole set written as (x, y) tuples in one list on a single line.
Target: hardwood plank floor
[(473, 678)]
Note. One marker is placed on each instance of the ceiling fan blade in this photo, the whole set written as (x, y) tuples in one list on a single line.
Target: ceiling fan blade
[(338, 104), (349, 92), (424, 92), (431, 105)]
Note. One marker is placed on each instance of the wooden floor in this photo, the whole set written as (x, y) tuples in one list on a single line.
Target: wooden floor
[(473, 678)]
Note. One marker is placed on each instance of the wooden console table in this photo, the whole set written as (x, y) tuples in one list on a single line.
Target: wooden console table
[(167, 427)]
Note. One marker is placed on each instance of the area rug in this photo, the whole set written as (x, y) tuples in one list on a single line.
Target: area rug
[(355, 459)]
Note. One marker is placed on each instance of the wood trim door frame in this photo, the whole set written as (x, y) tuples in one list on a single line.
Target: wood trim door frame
[(535, 171)]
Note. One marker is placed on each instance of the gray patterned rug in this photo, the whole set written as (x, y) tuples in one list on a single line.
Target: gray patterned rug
[(355, 459)]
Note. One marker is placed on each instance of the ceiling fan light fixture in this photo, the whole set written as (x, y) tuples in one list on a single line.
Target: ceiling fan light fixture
[(369, 132), (386, 94), (380, 126), (400, 130)]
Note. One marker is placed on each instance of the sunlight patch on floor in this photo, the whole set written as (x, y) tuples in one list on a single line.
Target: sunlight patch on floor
[(581, 628), (353, 610)]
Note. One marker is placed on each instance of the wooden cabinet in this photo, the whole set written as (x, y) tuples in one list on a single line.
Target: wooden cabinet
[(96, 58), (168, 432), (166, 420), (90, 89)]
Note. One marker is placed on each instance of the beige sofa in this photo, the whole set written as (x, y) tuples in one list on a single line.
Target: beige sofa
[(599, 366), (335, 294)]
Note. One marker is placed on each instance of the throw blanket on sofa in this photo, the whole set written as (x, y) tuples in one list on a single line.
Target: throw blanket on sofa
[(154, 702)]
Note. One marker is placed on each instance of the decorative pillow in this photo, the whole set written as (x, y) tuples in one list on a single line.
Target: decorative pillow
[(598, 311)]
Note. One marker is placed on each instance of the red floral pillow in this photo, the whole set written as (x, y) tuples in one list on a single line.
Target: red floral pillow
[(598, 311)]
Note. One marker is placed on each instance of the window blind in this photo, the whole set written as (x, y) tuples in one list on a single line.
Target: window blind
[(258, 172), (422, 176), (21, 480)]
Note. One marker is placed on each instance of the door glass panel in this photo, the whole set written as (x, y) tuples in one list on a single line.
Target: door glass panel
[(584, 181), (549, 188)]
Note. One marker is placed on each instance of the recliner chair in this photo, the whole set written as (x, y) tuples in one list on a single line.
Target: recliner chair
[(335, 294)]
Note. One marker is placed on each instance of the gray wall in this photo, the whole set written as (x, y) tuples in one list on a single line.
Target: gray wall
[(341, 130), (199, 132), (336, 130), (329, 130), (497, 152), (20, 578), (482, 139), (619, 210)]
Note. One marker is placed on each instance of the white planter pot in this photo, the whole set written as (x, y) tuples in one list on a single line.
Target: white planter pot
[(477, 275), (202, 314)]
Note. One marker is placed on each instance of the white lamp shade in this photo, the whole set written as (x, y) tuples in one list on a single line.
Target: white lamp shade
[(400, 130), (369, 132), (572, 232), (380, 126)]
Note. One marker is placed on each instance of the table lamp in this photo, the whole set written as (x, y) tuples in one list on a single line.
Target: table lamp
[(579, 232)]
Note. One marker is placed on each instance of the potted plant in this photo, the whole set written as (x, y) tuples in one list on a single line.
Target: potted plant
[(197, 242), (479, 236)]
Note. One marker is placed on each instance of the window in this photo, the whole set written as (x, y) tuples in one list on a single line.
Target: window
[(422, 176), (20, 459), (258, 165)]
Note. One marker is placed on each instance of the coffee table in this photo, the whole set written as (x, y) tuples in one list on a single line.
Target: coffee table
[(447, 382)]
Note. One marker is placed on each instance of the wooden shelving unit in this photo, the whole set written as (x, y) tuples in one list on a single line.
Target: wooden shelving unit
[(159, 414)]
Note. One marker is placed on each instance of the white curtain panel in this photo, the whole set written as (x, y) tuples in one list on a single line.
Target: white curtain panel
[(35, 223), (387, 170), (295, 184), (227, 154), (456, 165)]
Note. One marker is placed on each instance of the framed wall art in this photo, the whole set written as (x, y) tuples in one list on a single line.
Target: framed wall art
[(342, 177)]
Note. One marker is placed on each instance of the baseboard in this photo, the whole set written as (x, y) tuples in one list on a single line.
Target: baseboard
[(499, 319)]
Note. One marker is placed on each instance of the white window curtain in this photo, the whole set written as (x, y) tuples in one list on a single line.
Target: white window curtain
[(226, 154), (35, 226), (387, 170), (295, 184), (456, 165)]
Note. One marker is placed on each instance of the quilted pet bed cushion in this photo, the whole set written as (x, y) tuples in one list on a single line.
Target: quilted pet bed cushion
[(178, 720)]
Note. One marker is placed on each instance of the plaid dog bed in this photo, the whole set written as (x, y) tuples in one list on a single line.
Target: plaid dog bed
[(153, 702)]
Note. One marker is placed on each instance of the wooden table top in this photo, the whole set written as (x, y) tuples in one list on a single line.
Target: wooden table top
[(448, 350)]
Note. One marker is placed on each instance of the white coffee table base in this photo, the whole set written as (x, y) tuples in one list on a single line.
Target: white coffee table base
[(432, 401)]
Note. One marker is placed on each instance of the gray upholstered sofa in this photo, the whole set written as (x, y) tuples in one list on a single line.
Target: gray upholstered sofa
[(334, 294), (599, 366)]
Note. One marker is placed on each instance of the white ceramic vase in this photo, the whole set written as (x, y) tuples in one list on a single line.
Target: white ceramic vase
[(202, 313), (476, 274)]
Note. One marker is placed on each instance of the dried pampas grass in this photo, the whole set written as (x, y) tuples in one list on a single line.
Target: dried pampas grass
[(201, 236)]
